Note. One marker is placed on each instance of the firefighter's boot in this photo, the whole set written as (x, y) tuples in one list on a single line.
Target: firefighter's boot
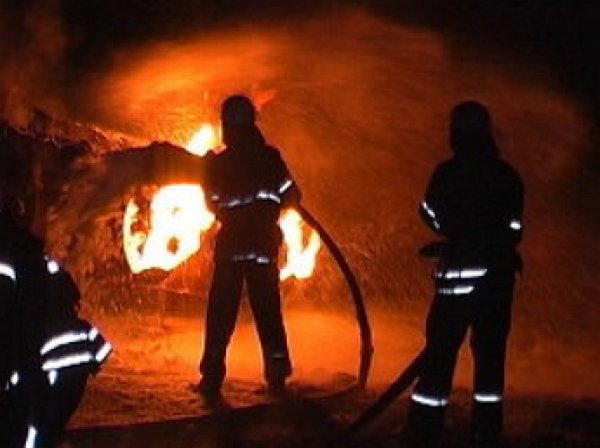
[(487, 425), (424, 425), (278, 368), (212, 368)]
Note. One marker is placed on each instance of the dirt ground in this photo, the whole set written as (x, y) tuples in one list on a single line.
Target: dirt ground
[(142, 396)]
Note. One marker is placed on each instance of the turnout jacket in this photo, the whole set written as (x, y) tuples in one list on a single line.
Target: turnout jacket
[(477, 204), (246, 188), (40, 331)]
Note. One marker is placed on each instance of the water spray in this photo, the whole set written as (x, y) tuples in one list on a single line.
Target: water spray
[(366, 339)]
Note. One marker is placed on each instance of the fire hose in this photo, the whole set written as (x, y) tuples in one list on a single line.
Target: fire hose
[(366, 339), (408, 376), (400, 384)]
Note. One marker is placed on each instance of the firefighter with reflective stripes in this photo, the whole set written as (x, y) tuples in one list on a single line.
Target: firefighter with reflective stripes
[(45, 387), (48, 352), (474, 200), (246, 185), (71, 351), (23, 290)]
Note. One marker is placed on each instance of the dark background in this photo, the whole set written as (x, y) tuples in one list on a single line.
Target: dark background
[(563, 33), (51, 45)]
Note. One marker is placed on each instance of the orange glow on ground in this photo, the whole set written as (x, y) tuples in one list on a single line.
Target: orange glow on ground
[(155, 361)]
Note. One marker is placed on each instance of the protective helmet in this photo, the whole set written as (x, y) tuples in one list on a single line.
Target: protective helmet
[(238, 109), (471, 117), (471, 135)]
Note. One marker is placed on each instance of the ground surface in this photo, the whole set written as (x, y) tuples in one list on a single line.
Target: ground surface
[(142, 397), (532, 421)]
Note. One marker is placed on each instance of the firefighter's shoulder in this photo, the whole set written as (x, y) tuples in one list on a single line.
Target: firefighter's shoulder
[(445, 171), (214, 161), (273, 156), (272, 151), (509, 172)]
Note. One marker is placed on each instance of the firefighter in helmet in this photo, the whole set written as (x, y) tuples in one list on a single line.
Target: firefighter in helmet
[(246, 185), (475, 201)]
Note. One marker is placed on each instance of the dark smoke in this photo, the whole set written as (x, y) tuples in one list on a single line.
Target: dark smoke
[(33, 44), (50, 47)]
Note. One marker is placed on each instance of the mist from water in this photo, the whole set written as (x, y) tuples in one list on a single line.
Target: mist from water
[(359, 107)]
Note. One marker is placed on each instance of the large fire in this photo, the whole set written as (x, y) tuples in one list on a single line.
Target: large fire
[(300, 257), (170, 232)]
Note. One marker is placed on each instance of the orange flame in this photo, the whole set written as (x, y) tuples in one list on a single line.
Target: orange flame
[(178, 216), (203, 140), (300, 258)]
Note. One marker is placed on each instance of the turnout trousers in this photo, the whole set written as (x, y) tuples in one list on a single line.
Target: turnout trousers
[(262, 282), (486, 311)]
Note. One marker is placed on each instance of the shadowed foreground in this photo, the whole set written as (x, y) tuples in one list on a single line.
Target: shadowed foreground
[(142, 396), (532, 421)]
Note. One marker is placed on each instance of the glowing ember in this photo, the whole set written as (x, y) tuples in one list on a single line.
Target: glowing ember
[(178, 216), (300, 258)]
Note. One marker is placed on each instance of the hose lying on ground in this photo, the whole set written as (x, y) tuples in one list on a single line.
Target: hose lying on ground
[(403, 382)]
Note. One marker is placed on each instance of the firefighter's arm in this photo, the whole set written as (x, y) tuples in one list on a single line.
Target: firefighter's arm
[(292, 196), (286, 187), (429, 216), (438, 206), (209, 176), (171, 163), (516, 212), (430, 208)]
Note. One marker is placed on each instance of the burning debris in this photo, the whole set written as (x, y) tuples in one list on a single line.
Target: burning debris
[(171, 231)]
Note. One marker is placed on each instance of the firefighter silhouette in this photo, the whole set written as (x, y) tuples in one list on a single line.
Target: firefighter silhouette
[(48, 352), (246, 186), (71, 351), (22, 279), (475, 201)]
